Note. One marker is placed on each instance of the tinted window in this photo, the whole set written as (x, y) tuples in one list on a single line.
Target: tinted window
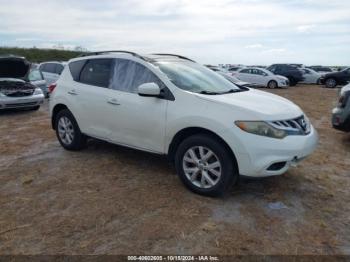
[(97, 72), (129, 75), (59, 69), (245, 71), (48, 68), (35, 75), (75, 69)]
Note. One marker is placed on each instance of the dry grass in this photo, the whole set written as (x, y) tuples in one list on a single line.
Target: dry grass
[(111, 200)]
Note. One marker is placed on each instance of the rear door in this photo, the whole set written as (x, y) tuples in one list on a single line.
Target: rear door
[(90, 95)]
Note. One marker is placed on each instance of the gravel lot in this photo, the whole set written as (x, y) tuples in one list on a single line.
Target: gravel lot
[(111, 200)]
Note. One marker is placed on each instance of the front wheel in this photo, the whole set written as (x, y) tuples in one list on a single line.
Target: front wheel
[(272, 84), (331, 83), (68, 131), (292, 81), (205, 166)]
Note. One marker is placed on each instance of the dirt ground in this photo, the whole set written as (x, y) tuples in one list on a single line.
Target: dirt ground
[(111, 200)]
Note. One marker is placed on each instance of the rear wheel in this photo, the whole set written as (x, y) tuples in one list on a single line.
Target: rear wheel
[(272, 84), (68, 131), (205, 166), (331, 83)]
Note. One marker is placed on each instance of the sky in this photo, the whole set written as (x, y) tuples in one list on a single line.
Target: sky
[(254, 32)]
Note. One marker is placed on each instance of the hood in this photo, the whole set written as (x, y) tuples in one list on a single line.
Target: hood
[(13, 67), (258, 104)]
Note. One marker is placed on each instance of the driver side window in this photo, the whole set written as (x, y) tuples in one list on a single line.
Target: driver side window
[(129, 75)]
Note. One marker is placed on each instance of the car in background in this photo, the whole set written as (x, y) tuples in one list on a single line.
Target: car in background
[(293, 73), (231, 78), (262, 77), (37, 79), (232, 70), (332, 80), (341, 114), (52, 71), (16, 89), (213, 130), (321, 69), (237, 81), (310, 76)]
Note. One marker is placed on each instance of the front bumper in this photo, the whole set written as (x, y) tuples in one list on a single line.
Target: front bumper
[(21, 102), (263, 157)]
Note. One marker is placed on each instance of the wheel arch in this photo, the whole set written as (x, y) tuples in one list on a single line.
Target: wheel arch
[(55, 111), (190, 131)]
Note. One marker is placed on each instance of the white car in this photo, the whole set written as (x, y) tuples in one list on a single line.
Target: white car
[(310, 76), (211, 129), (52, 71), (262, 77)]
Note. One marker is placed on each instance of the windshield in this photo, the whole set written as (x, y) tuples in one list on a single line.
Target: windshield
[(195, 78)]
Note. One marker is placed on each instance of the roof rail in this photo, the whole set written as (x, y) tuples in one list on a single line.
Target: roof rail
[(179, 56), (112, 51)]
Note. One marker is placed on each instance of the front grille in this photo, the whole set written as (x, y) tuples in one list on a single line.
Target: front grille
[(21, 93), (20, 105), (300, 124)]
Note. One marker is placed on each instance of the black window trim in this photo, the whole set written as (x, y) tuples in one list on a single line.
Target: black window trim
[(165, 92)]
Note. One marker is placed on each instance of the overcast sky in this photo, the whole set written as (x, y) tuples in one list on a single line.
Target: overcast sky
[(210, 31)]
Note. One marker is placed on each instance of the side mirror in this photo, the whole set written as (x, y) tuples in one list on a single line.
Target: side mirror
[(149, 89)]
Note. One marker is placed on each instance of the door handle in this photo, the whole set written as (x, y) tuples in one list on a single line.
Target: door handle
[(113, 101), (73, 93)]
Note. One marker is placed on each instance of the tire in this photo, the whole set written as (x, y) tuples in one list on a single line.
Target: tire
[(272, 84), (292, 81), (331, 83), (221, 177), (68, 132)]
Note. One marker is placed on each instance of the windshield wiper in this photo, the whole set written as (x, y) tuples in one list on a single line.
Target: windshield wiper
[(209, 93)]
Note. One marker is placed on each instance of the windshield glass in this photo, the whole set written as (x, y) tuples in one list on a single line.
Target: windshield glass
[(195, 78)]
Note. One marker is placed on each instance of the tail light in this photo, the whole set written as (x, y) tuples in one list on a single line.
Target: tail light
[(52, 87)]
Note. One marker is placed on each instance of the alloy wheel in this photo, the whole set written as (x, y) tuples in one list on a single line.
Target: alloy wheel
[(65, 130), (202, 167)]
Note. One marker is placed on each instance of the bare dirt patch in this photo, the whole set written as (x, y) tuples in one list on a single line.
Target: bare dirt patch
[(111, 200)]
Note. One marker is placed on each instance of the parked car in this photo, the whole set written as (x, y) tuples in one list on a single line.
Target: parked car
[(231, 78), (262, 77), (311, 76), (237, 81), (16, 90), (52, 71), (321, 69), (293, 74), (341, 114), (232, 70), (37, 79), (211, 129), (331, 80)]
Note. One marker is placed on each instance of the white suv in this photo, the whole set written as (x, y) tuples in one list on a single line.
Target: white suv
[(211, 129)]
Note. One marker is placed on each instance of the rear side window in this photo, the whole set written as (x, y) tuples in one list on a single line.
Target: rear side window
[(59, 69), (97, 72), (48, 68), (75, 69), (129, 75)]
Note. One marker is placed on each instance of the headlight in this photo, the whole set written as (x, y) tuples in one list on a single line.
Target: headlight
[(38, 91), (261, 129)]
